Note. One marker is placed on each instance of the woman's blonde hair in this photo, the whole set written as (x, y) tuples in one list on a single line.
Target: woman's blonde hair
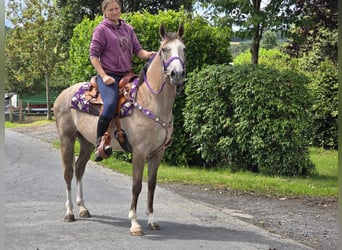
[(106, 2)]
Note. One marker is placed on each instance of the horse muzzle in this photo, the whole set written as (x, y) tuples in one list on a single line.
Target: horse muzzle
[(177, 77)]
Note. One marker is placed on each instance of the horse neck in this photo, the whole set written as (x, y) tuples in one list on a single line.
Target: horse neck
[(161, 103)]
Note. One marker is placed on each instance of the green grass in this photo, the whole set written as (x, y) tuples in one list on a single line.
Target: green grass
[(325, 184), (35, 123)]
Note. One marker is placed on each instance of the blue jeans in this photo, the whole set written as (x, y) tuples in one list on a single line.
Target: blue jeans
[(110, 95)]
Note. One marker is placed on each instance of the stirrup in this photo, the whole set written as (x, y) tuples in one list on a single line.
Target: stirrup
[(102, 151), (123, 140)]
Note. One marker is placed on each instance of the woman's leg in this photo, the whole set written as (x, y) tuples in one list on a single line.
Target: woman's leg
[(110, 95)]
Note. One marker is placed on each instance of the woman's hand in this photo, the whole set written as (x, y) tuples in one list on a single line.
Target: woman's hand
[(145, 55), (108, 80)]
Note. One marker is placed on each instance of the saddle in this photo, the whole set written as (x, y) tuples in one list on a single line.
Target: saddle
[(94, 97)]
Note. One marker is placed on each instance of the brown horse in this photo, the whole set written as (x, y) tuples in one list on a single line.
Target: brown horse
[(148, 128)]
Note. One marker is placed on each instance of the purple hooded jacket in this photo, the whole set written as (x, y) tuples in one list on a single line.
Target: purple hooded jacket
[(115, 46)]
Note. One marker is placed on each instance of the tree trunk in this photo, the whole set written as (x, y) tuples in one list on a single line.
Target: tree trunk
[(48, 101), (257, 33)]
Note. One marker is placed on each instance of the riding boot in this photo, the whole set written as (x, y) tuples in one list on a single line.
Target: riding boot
[(102, 127)]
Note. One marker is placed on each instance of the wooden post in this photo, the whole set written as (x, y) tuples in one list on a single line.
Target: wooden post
[(21, 111), (28, 107), (10, 111)]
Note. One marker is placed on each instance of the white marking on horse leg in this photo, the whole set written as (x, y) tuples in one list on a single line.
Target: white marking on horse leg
[(135, 229), (152, 221), (80, 201), (68, 203), (69, 215), (151, 218)]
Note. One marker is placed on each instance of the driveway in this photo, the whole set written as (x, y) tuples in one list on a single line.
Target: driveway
[(35, 198)]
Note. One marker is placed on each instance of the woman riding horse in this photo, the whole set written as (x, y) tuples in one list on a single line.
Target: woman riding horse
[(111, 48)]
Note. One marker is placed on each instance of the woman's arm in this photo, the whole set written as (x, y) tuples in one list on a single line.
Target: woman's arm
[(144, 54), (108, 80)]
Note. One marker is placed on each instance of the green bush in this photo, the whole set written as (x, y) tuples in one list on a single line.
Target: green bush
[(250, 117), (270, 58), (205, 44), (324, 86)]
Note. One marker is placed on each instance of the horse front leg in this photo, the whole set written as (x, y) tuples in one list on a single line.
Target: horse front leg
[(84, 213), (153, 166), (138, 168)]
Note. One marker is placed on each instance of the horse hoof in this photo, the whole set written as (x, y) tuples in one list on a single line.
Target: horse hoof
[(137, 232), (69, 218), (153, 226), (85, 214)]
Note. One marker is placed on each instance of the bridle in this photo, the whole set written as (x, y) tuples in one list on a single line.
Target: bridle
[(166, 65)]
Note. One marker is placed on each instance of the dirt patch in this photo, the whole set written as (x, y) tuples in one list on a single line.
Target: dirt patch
[(311, 221)]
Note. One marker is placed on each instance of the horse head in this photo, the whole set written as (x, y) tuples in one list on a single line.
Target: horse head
[(172, 54)]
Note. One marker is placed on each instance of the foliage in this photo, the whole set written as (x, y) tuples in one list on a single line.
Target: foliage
[(325, 108), (154, 7), (73, 12), (315, 29), (80, 66), (269, 40), (323, 88), (253, 18), (250, 117), (318, 48), (270, 58), (204, 44), (33, 45)]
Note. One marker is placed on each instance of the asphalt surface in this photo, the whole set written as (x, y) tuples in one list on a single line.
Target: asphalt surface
[(35, 198)]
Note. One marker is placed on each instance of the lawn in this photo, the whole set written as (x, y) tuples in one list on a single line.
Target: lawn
[(325, 184)]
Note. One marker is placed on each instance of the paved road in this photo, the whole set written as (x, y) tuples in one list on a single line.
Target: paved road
[(34, 210)]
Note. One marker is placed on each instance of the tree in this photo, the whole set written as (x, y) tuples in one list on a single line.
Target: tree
[(34, 45), (252, 18), (315, 30), (155, 6)]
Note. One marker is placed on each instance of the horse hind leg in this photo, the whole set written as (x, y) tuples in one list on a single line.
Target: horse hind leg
[(85, 152), (67, 152)]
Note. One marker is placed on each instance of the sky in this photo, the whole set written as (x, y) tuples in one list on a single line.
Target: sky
[(7, 23)]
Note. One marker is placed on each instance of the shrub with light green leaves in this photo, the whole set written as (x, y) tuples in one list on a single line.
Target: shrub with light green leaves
[(324, 87), (250, 117)]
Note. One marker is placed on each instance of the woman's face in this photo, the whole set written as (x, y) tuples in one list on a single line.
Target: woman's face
[(113, 12)]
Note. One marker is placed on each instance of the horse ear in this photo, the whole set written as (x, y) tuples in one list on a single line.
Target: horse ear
[(162, 31), (181, 30)]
